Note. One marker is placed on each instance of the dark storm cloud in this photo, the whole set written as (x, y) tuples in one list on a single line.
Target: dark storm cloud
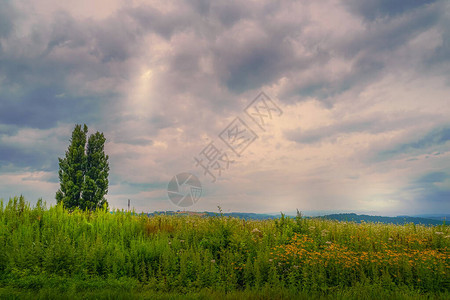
[(243, 58), (249, 44), (438, 59), (371, 52), (42, 108), (379, 39), (252, 45), (45, 74), (260, 62), (8, 129), (372, 124), (436, 137), (372, 9), (230, 12), (7, 15), (165, 24), (430, 191), (364, 70), (32, 159), (432, 178), (330, 132), (226, 12), (140, 187), (261, 48)]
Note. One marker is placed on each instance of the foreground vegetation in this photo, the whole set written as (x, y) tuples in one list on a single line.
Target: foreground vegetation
[(53, 253)]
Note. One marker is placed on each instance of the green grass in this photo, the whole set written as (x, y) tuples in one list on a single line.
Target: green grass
[(53, 253)]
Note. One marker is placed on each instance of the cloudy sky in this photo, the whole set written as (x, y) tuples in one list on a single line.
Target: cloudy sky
[(363, 89)]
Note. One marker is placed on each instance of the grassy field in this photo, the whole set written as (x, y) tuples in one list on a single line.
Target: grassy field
[(53, 253)]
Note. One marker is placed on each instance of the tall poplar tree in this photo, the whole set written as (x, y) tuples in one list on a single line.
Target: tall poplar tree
[(97, 169), (83, 172)]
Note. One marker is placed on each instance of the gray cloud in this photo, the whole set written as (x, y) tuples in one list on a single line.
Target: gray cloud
[(31, 149), (430, 193), (432, 178), (438, 58), (371, 52), (372, 124), (47, 73), (373, 9), (7, 15), (436, 137), (150, 19), (22, 158)]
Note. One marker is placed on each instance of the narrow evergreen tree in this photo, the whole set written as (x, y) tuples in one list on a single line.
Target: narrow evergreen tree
[(97, 169), (72, 168), (83, 172)]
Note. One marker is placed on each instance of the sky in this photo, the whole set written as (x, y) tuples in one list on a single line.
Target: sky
[(356, 117)]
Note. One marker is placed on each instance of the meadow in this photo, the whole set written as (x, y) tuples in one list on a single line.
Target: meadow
[(53, 253)]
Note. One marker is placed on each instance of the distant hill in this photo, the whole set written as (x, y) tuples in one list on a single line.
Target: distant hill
[(247, 216), (440, 217), (350, 217), (389, 220), (250, 216)]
